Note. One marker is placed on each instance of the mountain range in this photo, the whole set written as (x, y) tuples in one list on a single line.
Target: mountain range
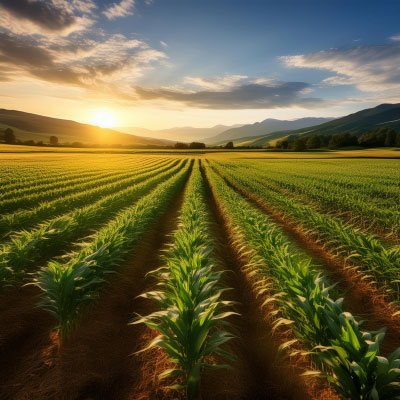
[(261, 128), (384, 115), (37, 127)]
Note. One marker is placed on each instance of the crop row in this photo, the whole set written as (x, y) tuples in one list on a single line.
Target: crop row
[(69, 286), (26, 249), (381, 188), (65, 180), (364, 210), (365, 250), (18, 175), (345, 354), (22, 201), (28, 218), (190, 311)]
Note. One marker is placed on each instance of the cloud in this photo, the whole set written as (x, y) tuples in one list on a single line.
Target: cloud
[(163, 43), (395, 38), (122, 9), (369, 68), (41, 17), (218, 83), (239, 96), (105, 66)]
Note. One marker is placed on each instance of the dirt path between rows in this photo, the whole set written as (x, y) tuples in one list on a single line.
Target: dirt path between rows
[(98, 361), (361, 298), (261, 371)]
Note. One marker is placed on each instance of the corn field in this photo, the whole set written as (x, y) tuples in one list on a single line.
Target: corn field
[(199, 276)]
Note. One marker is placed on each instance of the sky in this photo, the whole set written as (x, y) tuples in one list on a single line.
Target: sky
[(165, 63)]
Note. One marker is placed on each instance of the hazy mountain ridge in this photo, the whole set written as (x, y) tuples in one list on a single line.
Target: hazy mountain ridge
[(267, 126), (383, 115)]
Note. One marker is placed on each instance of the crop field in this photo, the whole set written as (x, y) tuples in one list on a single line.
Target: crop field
[(199, 276)]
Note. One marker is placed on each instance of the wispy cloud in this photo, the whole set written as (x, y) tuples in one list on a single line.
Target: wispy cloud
[(369, 68), (395, 38), (247, 95), (122, 9)]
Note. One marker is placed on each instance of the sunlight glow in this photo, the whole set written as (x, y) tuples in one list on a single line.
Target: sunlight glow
[(103, 118)]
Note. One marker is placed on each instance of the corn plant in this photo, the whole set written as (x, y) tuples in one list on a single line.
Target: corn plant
[(28, 248), (345, 354), (69, 286), (24, 219), (380, 262), (189, 297)]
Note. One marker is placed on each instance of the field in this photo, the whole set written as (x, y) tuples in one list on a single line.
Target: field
[(199, 275)]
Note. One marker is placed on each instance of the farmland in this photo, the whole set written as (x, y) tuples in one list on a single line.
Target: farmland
[(212, 275)]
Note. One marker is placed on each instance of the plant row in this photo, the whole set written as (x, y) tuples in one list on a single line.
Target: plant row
[(190, 311), (27, 249), (25, 219), (367, 210), (17, 176), (344, 353), (375, 260), (68, 286), (13, 204), (65, 181)]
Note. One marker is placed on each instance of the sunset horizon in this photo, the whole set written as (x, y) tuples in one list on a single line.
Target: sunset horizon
[(197, 64)]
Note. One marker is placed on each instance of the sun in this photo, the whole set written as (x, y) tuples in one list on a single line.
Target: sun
[(103, 118)]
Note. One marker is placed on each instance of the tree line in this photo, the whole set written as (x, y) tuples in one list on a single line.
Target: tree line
[(381, 137)]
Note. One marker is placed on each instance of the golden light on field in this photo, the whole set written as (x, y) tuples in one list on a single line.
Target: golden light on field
[(103, 118)]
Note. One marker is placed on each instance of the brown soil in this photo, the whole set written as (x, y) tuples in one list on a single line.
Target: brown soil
[(361, 298), (98, 361), (261, 370)]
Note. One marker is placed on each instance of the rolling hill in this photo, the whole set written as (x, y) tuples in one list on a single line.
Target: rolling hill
[(29, 126), (384, 115), (262, 128)]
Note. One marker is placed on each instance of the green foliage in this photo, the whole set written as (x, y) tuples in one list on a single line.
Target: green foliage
[(29, 247), (366, 250), (70, 285), (346, 355), (189, 296)]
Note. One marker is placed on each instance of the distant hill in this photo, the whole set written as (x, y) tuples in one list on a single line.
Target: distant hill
[(184, 134), (28, 126), (384, 115), (262, 128)]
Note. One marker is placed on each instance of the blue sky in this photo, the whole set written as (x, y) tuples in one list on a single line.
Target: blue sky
[(164, 63)]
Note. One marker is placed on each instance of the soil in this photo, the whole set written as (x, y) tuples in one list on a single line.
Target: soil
[(98, 361), (361, 298), (261, 370)]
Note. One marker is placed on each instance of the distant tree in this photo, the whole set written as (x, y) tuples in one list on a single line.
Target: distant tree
[(314, 142), (181, 145), (397, 144), (299, 144), (375, 138), (282, 144), (29, 142), (342, 140), (9, 136), (197, 145), (390, 139), (39, 143), (54, 140), (229, 145)]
